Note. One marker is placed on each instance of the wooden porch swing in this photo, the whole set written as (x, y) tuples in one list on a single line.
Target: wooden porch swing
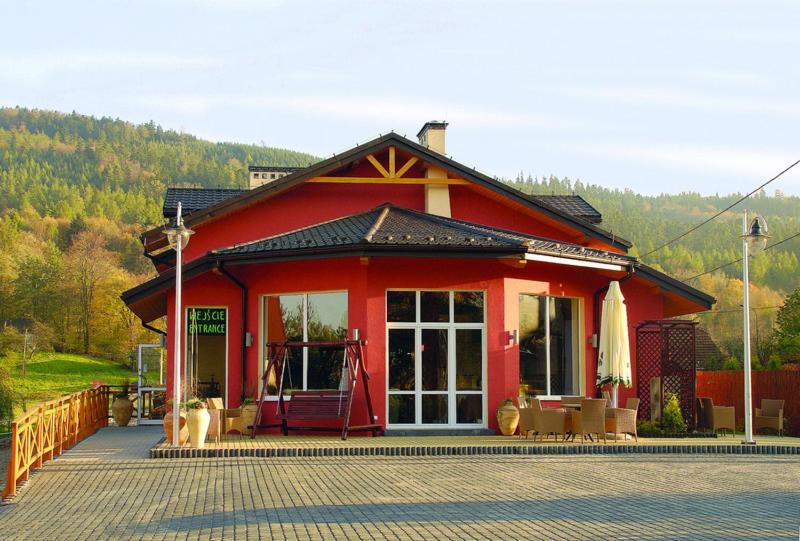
[(312, 406)]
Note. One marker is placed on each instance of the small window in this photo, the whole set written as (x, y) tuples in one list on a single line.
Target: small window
[(273, 176), (255, 175), (401, 306)]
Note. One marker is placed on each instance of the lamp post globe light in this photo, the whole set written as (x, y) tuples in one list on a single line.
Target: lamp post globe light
[(754, 240), (178, 237)]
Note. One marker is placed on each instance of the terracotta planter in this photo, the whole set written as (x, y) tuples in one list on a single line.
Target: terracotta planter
[(507, 419), (248, 418), (198, 420), (183, 435), (122, 409)]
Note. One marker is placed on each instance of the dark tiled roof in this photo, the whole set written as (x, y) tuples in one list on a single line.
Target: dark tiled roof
[(398, 228), (193, 199), (273, 168), (574, 205)]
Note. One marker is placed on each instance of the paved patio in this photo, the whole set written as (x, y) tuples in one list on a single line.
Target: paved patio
[(105, 488)]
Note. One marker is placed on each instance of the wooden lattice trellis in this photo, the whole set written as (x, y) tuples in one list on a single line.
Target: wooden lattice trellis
[(665, 349)]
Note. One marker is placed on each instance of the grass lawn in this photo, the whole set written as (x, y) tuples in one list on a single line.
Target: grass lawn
[(51, 375)]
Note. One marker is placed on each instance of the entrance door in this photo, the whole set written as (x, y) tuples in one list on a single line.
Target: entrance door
[(436, 359), (207, 352), (151, 390)]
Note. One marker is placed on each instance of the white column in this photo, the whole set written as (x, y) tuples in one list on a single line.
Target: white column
[(748, 405)]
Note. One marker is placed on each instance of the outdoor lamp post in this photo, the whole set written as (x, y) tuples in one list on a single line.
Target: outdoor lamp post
[(754, 239), (178, 237)]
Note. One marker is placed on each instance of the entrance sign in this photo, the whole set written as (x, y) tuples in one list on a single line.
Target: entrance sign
[(207, 321)]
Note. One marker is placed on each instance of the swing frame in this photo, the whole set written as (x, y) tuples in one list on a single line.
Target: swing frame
[(316, 401)]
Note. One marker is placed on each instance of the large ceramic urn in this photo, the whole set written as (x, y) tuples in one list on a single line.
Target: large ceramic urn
[(183, 435), (198, 420), (122, 410), (507, 418)]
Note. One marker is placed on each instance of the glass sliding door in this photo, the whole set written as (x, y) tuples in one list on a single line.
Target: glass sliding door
[(436, 358), (549, 356)]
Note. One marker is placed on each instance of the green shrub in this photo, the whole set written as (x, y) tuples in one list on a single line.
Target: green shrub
[(732, 363), (672, 418), (774, 362), (646, 426)]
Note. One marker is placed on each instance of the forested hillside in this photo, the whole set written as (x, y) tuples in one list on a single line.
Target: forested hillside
[(76, 191)]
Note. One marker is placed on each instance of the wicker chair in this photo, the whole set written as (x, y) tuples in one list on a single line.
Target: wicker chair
[(632, 404), (711, 417), (591, 419), (621, 421), (770, 415), (548, 420), (574, 401)]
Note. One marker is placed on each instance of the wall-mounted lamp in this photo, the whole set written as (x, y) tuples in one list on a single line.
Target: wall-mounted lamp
[(248, 339), (513, 337)]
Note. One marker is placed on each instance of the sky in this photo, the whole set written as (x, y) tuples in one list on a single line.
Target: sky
[(652, 96)]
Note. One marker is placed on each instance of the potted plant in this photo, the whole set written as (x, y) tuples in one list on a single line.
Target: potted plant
[(507, 417), (183, 435), (122, 407), (197, 419)]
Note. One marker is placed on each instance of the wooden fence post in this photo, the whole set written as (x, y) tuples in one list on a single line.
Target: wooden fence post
[(13, 463)]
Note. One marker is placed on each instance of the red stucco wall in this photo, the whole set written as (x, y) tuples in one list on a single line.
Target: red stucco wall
[(367, 285)]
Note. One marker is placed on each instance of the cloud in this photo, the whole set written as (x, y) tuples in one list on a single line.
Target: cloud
[(386, 110), (736, 162), (668, 97), (37, 67)]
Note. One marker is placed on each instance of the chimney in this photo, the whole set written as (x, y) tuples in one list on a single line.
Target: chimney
[(437, 196), (432, 135)]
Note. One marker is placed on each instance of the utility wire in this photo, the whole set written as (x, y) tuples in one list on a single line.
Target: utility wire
[(720, 213), (729, 263), (739, 310)]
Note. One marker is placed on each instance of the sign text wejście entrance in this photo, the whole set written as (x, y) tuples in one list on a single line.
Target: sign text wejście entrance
[(206, 321)]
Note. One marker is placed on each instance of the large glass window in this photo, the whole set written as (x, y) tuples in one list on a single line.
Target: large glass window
[(435, 357), (549, 360), (307, 317)]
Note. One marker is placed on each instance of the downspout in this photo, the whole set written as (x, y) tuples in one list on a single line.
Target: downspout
[(153, 329), (597, 314), (221, 268)]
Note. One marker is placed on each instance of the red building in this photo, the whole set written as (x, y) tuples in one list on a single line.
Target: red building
[(464, 288)]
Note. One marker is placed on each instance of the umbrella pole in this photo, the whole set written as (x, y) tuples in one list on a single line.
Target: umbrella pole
[(614, 391)]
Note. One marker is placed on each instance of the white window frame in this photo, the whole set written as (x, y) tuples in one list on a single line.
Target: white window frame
[(451, 392), (262, 343), (577, 346)]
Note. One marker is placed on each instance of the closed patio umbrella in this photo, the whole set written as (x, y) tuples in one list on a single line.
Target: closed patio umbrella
[(614, 359)]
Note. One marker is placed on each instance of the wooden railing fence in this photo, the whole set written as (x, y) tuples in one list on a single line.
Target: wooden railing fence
[(726, 388), (47, 430)]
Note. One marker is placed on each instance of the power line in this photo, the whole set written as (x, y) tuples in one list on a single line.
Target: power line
[(739, 310), (729, 263), (720, 213)]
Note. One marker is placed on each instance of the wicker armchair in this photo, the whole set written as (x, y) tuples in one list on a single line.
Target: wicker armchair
[(711, 417), (632, 404), (621, 421), (770, 415), (591, 419)]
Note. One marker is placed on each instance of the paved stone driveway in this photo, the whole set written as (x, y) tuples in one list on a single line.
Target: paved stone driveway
[(105, 488)]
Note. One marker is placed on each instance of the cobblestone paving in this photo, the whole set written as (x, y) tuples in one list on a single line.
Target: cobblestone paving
[(105, 489)]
